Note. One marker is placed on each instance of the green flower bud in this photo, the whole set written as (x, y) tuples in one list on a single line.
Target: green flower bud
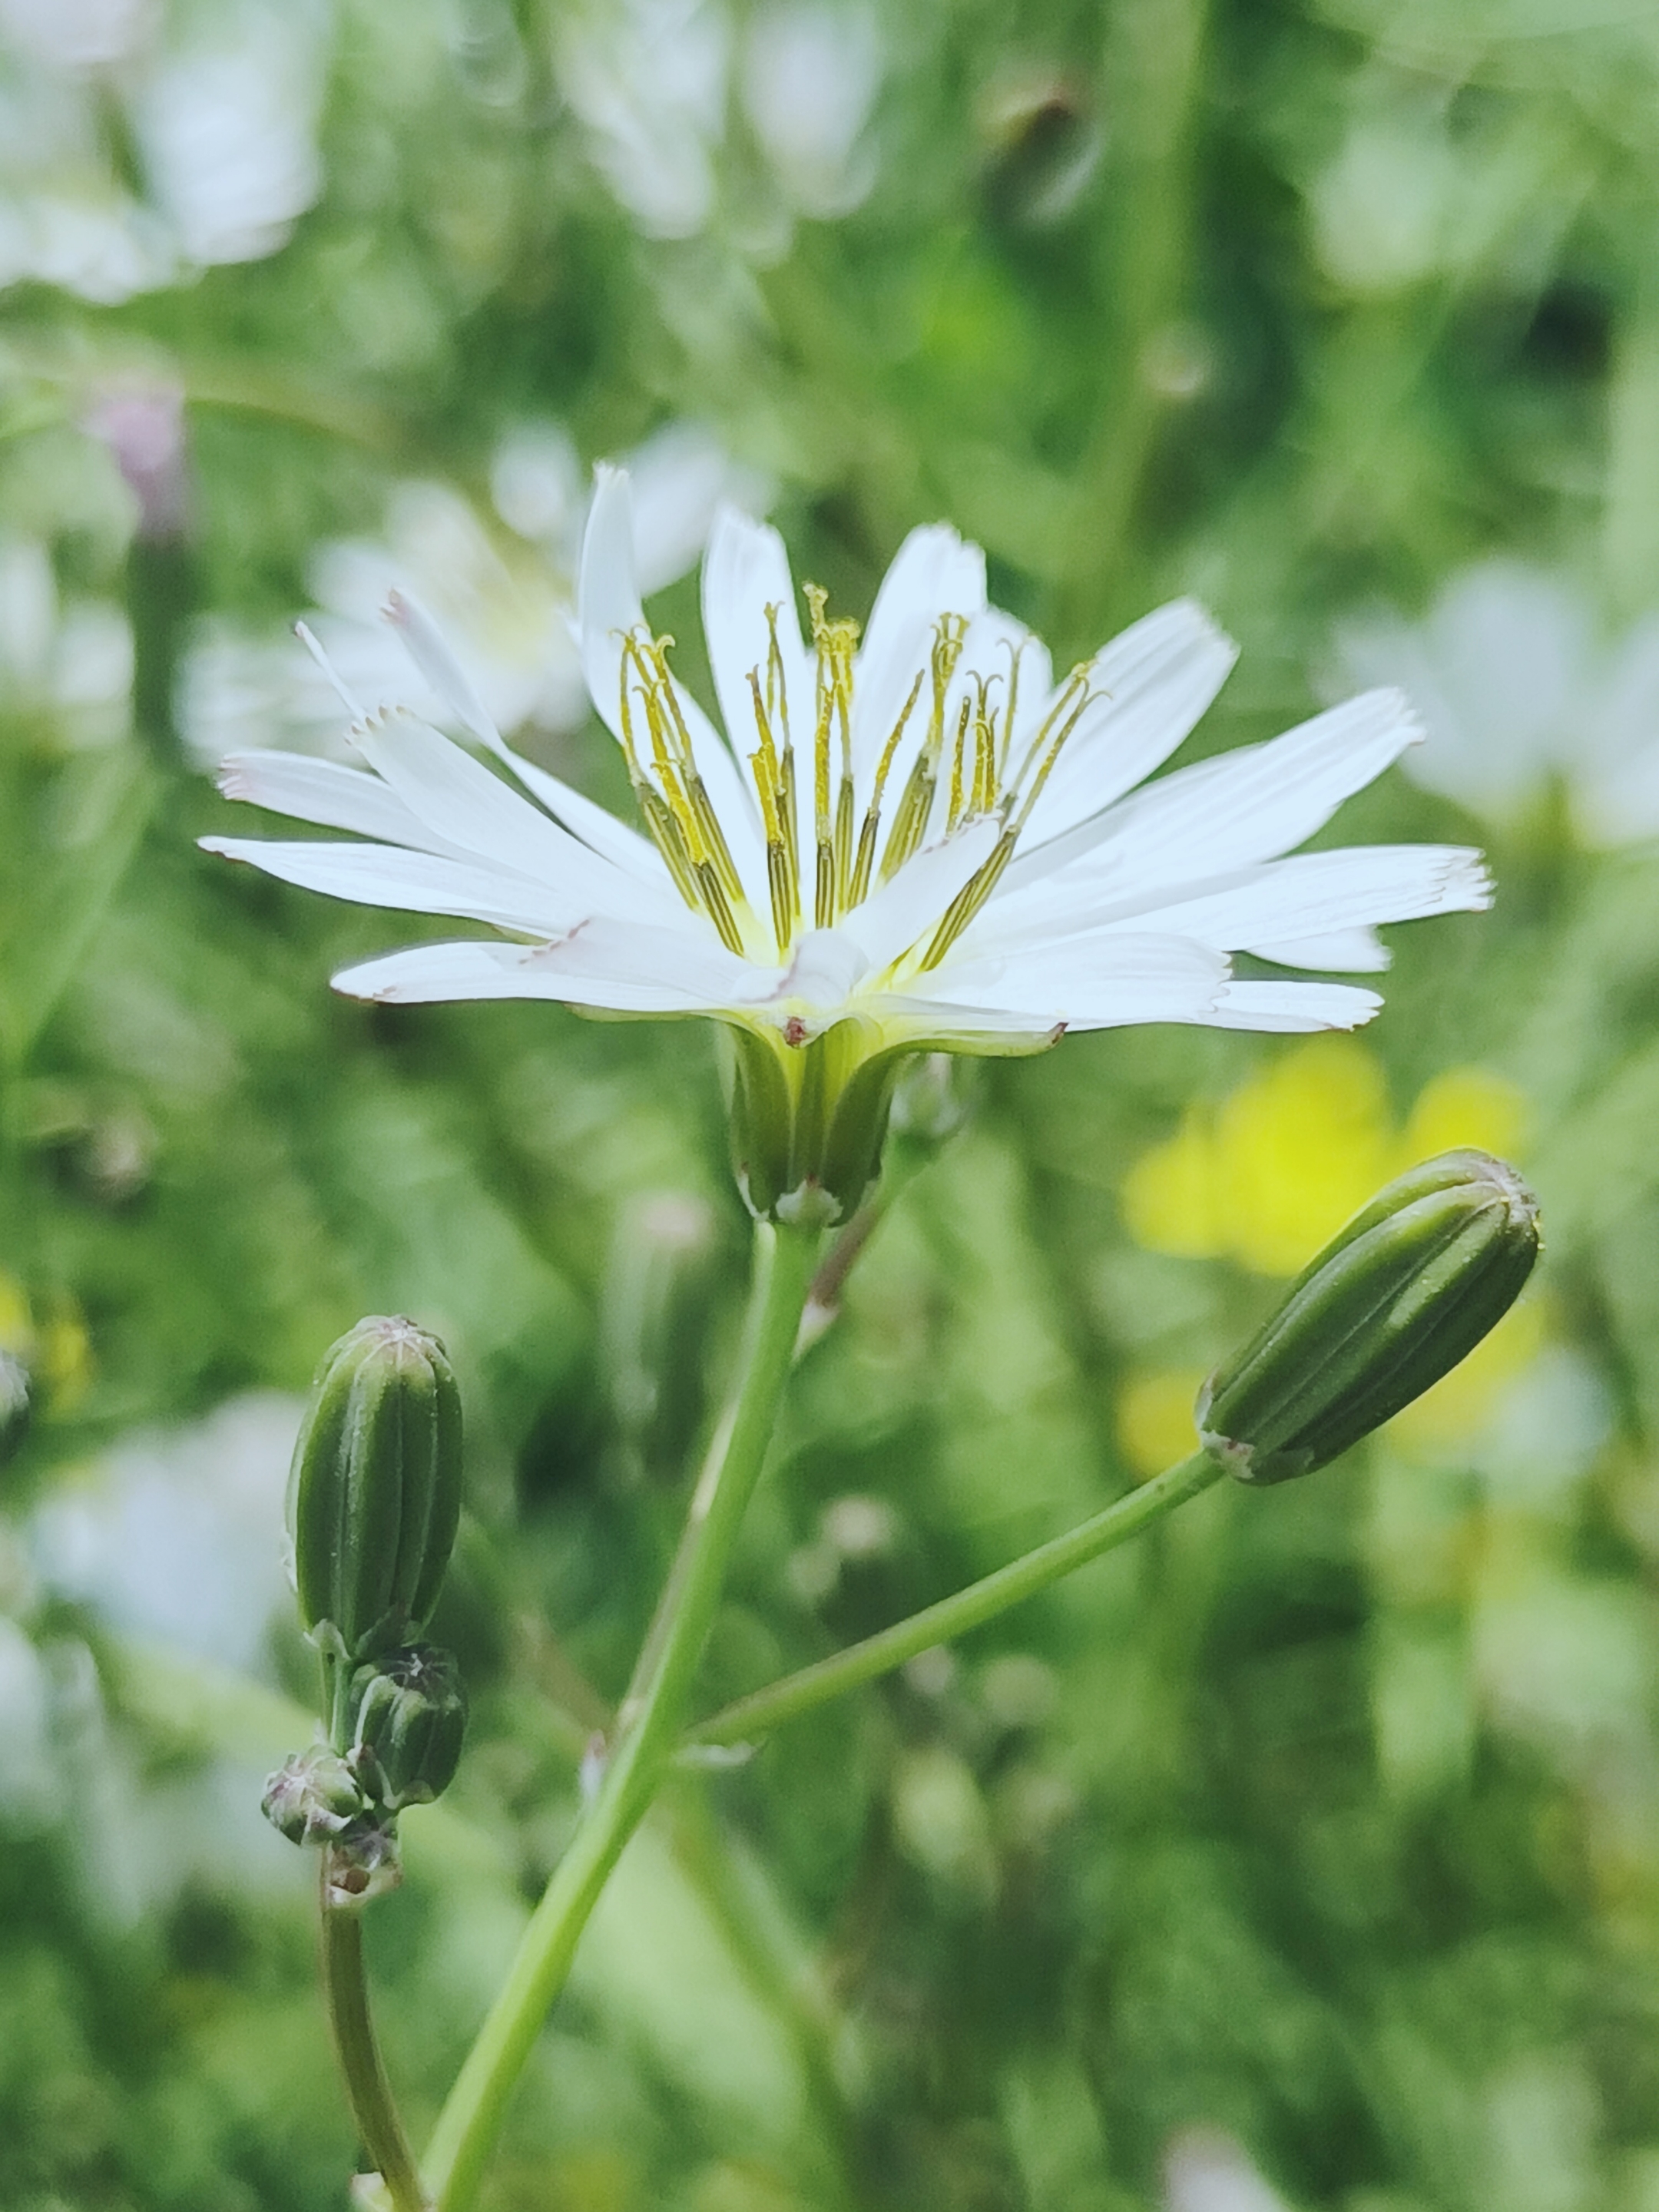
[(362, 1862), (1391, 1304), (376, 1488), (15, 1408), (409, 1716), (313, 1797)]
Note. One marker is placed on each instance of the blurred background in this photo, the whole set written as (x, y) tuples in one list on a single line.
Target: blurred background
[(1306, 1856)]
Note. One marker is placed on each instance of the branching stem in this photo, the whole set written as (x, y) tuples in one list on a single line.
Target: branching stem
[(756, 1715), (647, 1725)]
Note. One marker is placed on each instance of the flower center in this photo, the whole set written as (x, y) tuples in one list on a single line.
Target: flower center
[(969, 766)]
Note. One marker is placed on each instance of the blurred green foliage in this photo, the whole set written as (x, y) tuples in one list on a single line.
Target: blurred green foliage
[(1328, 1819)]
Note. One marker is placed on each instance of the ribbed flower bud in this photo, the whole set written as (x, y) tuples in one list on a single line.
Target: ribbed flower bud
[(408, 1718), (313, 1797), (1391, 1304), (376, 1488)]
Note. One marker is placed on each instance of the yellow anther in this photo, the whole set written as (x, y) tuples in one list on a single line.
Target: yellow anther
[(957, 807), (777, 693), (717, 907), (892, 744), (769, 751), (968, 900), (1073, 702), (1016, 655), (985, 751), (949, 632)]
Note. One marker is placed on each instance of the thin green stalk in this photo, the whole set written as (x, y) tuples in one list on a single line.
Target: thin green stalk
[(346, 1985), (765, 1709), (646, 1727), (1153, 70)]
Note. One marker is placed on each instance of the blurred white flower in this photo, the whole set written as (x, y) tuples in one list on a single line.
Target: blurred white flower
[(649, 80), (71, 659), (811, 73), (1515, 683), (653, 80), (538, 487), (1207, 2170), (78, 33), (682, 476), (506, 602), (221, 104), (28, 1778), (227, 131), (178, 1536)]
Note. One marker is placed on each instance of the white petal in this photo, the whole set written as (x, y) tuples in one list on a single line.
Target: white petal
[(1314, 893), (616, 964), (608, 608), (939, 1024), (827, 968), (429, 650), (417, 882), (933, 574), (1229, 812), (1309, 895), (323, 792), (459, 799), (1092, 982), (893, 918), (594, 825), (607, 597), (1153, 682), (1354, 952), (744, 571), (1290, 1008)]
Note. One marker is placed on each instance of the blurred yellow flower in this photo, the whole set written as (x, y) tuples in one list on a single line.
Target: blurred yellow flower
[(1266, 1177), (1155, 1424), (1460, 1403), (57, 1349), (1270, 1174), (16, 1328)]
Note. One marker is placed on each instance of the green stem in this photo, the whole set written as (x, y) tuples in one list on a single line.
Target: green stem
[(370, 2094), (646, 1726), (756, 1715)]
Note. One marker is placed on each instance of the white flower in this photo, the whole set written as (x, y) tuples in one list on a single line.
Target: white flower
[(1515, 686), (809, 77), (648, 78), (220, 106), (73, 657), (919, 841)]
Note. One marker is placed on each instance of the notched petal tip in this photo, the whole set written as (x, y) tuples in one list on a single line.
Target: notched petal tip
[(1468, 880)]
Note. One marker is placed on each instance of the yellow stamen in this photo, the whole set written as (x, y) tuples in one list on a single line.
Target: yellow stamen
[(968, 900), (867, 852), (985, 751), (956, 808), (1077, 690), (1016, 655)]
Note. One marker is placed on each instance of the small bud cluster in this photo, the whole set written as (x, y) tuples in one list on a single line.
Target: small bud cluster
[(373, 1503)]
